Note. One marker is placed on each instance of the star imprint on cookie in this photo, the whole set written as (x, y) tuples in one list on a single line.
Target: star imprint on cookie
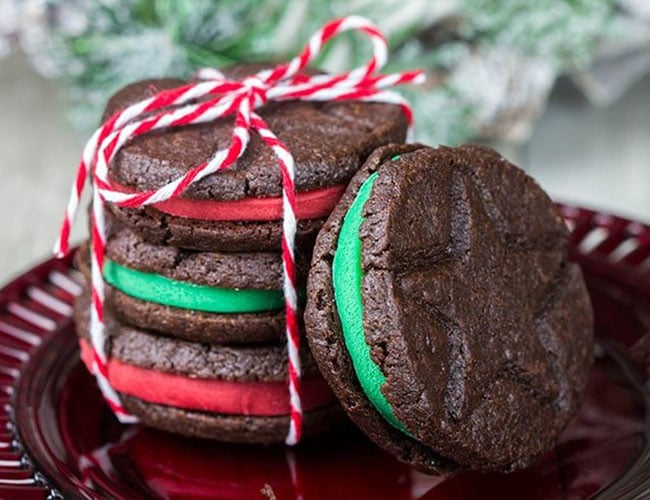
[(478, 298)]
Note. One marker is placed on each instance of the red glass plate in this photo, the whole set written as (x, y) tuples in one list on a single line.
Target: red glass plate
[(57, 438)]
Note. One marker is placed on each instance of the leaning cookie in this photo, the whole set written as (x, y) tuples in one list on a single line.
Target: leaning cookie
[(240, 209), (228, 393), (443, 312)]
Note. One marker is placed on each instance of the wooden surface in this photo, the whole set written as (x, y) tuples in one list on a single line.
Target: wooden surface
[(596, 157)]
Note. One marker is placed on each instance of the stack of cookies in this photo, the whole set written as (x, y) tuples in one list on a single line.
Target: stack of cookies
[(441, 308), (194, 306)]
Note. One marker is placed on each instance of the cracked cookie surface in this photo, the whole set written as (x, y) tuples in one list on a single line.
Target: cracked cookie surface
[(481, 327)]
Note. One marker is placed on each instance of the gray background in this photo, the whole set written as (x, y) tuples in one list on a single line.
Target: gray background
[(595, 157)]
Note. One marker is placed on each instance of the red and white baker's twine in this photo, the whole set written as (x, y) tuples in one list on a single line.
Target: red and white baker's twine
[(218, 97)]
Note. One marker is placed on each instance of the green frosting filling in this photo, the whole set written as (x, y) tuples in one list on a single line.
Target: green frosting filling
[(346, 277), (185, 295)]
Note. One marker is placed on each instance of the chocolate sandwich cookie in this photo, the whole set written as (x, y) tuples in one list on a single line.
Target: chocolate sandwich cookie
[(443, 312), (240, 208), (229, 393), (197, 296)]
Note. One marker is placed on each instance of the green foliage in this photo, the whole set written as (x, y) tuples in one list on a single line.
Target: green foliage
[(95, 47), (564, 30), (122, 41)]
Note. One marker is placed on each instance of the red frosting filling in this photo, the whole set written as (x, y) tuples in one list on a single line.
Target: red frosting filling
[(309, 205), (209, 395)]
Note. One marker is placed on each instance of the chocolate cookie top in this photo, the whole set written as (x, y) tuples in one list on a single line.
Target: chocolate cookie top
[(252, 270), (456, 335), (329, 141)]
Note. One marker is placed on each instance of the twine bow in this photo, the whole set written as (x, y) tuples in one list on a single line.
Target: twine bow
[(214, 97)]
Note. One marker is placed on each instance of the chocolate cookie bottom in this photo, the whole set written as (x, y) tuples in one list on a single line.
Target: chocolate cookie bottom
[(231, 428), (213, 236), (197, 326)]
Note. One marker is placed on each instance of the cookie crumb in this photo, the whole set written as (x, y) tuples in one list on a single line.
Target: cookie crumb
[(267, 492)]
